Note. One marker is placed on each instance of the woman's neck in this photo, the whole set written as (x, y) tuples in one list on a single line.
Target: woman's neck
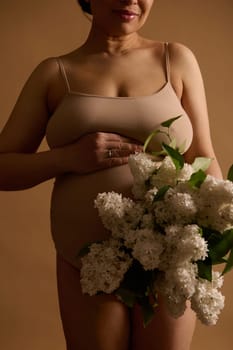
[(98, 42)]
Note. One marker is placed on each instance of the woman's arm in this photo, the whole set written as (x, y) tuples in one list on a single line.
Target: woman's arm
[(19, 171), (20, 167), (193, 100)]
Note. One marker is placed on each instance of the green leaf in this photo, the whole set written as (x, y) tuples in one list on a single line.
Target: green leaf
[(197, 178), (175, 155), (230, 174), (84, 250), (169, 122), (220, 261), (229, 264), (201, 163), (147, 311), (127, 296), (205, 269), (200, 230), (161, 193), (149, 138), (223, 247), (212, 236), (136, 279), (166, 124)]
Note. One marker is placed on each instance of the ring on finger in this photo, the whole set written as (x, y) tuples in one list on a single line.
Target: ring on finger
[(109, 153)]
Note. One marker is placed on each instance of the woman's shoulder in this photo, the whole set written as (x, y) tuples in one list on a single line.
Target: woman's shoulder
[(177, 51), (182, 60), (181, 55), (46, 67), (43, 72), (178, 47)]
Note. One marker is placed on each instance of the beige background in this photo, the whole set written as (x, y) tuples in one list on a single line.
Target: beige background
[(31, 31)]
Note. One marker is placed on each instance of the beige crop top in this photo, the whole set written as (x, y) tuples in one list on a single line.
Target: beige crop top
[(79, 113)]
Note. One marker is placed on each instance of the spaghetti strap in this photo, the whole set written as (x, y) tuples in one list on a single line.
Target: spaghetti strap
[(63, 73), (167, 61)]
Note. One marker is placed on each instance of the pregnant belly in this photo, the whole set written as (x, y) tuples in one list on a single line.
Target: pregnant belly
[(74, 220)]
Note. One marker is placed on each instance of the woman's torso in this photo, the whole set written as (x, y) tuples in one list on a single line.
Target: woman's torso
[(74, 220)]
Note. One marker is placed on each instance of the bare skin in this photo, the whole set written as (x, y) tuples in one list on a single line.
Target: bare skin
[(110, 51), (104, 323)]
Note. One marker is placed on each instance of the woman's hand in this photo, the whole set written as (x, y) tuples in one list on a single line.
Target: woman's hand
[(90, 153), (99, 150)]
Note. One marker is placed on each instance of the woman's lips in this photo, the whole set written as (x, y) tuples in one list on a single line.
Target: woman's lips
[(126, 15)]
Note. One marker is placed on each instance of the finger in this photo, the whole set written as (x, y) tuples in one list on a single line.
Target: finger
[(119, 153), (111, 162), (130, 147), (118, 138)]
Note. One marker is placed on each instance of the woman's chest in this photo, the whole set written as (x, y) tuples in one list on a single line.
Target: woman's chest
[(79, 114), (118, 77)]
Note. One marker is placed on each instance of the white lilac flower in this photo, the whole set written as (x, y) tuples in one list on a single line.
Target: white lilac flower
[(147, 248), (183, 279), (142, 166), (176, 207), (215, 215), (177, 285), (216, 189), (130, 238), (118, 214), (217, 279), (112, 203), (225, 216), (132, 218), (139, 190), (182, 244), (176, 305), (226, 212), (185, 173), (207, 301), (147, 221), (173, 252), (184, 187), (103, 268), (214, 202), (165, 175), (149, 198), (207, 215), (183, 205), (180, 278)]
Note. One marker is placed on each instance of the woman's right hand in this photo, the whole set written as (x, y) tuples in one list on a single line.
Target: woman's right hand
[(96, 151)]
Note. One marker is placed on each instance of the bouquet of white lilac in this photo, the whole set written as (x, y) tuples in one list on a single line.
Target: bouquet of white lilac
[(167, 239)]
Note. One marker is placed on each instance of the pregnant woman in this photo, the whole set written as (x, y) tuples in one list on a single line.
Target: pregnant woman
[(96, 105)]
